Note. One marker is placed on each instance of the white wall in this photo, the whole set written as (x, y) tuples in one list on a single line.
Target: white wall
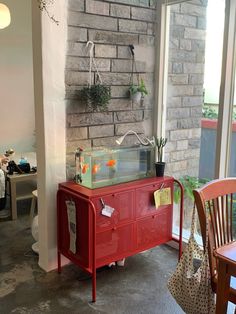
[(17, 123)]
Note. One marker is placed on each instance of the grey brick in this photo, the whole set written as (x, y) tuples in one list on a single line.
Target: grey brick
[(129, 26), (185, 20), (185, 44), (121, 129), (112, 37), (105, 51), (193, 68), (130, 116), (192, 9), (77, 49), (143, 3), (171, 124), (182, 56), (116, 78), (119, 91), (101, 131), (177, 31), (97, 7), (82, 64), (107, 141), (151, 29), (76, 5), (147, 40), (177, 113), (143, 14), (176, 166), (121, 65), (174, 101), (92, 21), (124, 52), (192, 101), (196, 78), (198, 45), (174, 43), (89, 119), (192, 33), (196, 111), (177, 67), (182, 145), (194, 143), (180, 135), (76, 134), (201, 22), (120, 104), (178, 79), (188, 123), (182, 90), (120, 11), (77, 34), (76, 78), (75, 105)]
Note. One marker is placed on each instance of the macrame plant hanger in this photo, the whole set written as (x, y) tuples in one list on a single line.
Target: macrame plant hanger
[(134, 68), (93, 63)]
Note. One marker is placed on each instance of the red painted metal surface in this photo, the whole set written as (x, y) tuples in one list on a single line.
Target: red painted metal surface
[(135, 225)]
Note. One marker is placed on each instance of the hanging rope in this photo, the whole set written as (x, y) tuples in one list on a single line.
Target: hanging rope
[(92, 62)]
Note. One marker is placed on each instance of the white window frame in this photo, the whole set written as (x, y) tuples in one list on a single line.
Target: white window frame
[(226, 98)]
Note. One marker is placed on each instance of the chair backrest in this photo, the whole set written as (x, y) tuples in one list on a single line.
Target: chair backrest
[(216, 201)]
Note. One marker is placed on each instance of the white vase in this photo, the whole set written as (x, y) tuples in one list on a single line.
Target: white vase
[(136, 97)]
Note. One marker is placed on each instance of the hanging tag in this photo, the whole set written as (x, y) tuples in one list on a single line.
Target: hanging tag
[(162, 197), (107, 211), (71, 214)]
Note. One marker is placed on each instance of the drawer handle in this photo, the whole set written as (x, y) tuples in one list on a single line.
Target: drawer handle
[(153, 216), (114, 228)]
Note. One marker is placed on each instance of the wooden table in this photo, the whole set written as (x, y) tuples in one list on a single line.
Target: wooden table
[(226, 258), (23, 180)]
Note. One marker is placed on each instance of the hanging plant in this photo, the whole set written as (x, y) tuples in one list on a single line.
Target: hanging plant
[(137, 91), (43, 6), (98, 95)]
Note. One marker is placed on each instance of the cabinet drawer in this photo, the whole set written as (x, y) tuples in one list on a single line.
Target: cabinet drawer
[(155, 229), (145, 204), (115, 242), (123, 203)]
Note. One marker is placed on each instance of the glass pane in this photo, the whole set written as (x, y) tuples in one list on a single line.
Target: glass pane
[(194, 69)]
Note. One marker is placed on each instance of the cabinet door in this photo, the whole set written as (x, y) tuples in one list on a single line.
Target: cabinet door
[(123, 203), (145, 204), (155, 229), (114, 244)]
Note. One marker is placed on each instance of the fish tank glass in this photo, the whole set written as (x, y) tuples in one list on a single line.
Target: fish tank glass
[(98, 167)]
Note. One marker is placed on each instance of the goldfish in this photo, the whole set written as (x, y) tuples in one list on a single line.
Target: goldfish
[(111, 163), (85, 168), (95, 168)]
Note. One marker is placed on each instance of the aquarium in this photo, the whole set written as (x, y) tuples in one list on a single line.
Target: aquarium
[(107, 166)]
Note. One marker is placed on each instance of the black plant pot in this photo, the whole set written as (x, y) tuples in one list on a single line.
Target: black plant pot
[(160, 168)]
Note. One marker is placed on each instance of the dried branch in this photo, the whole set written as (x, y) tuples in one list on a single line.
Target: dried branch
[(43, 6)]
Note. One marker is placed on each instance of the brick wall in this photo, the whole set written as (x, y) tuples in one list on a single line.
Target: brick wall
[(112, 26), (185, 87)]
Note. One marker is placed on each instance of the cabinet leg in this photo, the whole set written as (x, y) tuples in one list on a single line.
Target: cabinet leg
[(94, 287), (58, 262)]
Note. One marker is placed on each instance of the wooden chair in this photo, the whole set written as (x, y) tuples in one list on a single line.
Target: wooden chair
[(216, 201)]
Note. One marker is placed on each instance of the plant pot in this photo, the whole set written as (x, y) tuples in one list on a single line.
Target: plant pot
[(136, 97), (160, 168)]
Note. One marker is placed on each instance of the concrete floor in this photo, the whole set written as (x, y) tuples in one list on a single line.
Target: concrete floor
[(138, 287)]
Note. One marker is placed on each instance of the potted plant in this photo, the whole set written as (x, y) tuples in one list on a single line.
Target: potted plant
[(96, 96), (137, 92), (160, 165)]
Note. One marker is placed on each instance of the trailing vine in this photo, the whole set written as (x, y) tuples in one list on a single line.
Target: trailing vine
[(43, 6)]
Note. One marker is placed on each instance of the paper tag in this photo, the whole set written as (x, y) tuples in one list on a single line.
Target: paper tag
[(71, 214), (162, 197), (107, 211)]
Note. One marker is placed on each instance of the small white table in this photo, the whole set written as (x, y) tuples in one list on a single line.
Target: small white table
[(24, 190)]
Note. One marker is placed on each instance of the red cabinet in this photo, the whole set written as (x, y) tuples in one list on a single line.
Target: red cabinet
[(135, 225)]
